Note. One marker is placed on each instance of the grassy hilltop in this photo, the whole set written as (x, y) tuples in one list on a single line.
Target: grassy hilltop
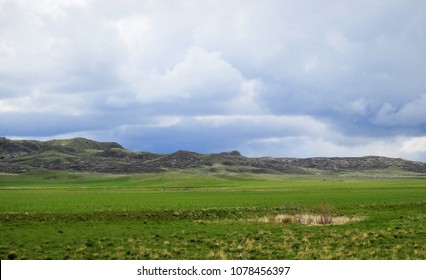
[(80, 154), (192, 206)]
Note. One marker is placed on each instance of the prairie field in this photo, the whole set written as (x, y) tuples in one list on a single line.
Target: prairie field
[(172, 215)]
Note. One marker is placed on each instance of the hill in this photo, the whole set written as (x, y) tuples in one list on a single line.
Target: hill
[(80, 154)]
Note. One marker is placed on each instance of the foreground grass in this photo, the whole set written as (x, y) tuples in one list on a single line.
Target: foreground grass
[(58, 215)]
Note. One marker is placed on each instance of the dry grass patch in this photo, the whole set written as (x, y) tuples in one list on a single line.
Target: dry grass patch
[(308, 219)]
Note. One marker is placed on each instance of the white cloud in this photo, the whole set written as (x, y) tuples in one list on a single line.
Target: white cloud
[(316, 146), (134, 32), (200, 74), (57, 8), (198, 77), (166, 121), (38, 102), (414, 145), (410, 114), (248, 100), (278, 125)]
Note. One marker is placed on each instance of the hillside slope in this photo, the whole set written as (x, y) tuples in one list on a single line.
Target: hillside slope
[(80, 154)]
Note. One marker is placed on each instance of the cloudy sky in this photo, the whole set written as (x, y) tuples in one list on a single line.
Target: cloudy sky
[(280, 78)]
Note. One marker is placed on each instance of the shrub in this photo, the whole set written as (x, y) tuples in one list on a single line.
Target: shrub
[(325, 217)]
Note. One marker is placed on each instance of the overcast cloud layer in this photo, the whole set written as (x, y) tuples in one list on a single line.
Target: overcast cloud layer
[(279, 78)]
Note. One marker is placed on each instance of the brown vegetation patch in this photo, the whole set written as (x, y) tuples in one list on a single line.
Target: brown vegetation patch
[(307, 219)]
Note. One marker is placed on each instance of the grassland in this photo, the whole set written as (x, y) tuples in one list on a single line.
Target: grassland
[(61, 215)]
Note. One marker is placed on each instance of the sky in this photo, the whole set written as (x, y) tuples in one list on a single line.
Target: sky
[(267, 78)]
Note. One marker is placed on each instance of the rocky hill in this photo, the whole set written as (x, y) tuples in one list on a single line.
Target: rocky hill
[(80, 154)]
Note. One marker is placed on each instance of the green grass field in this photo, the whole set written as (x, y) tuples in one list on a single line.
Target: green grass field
[(60, 215)]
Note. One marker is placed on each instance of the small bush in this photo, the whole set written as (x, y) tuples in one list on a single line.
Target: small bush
[(325, 211), (325, 220)]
